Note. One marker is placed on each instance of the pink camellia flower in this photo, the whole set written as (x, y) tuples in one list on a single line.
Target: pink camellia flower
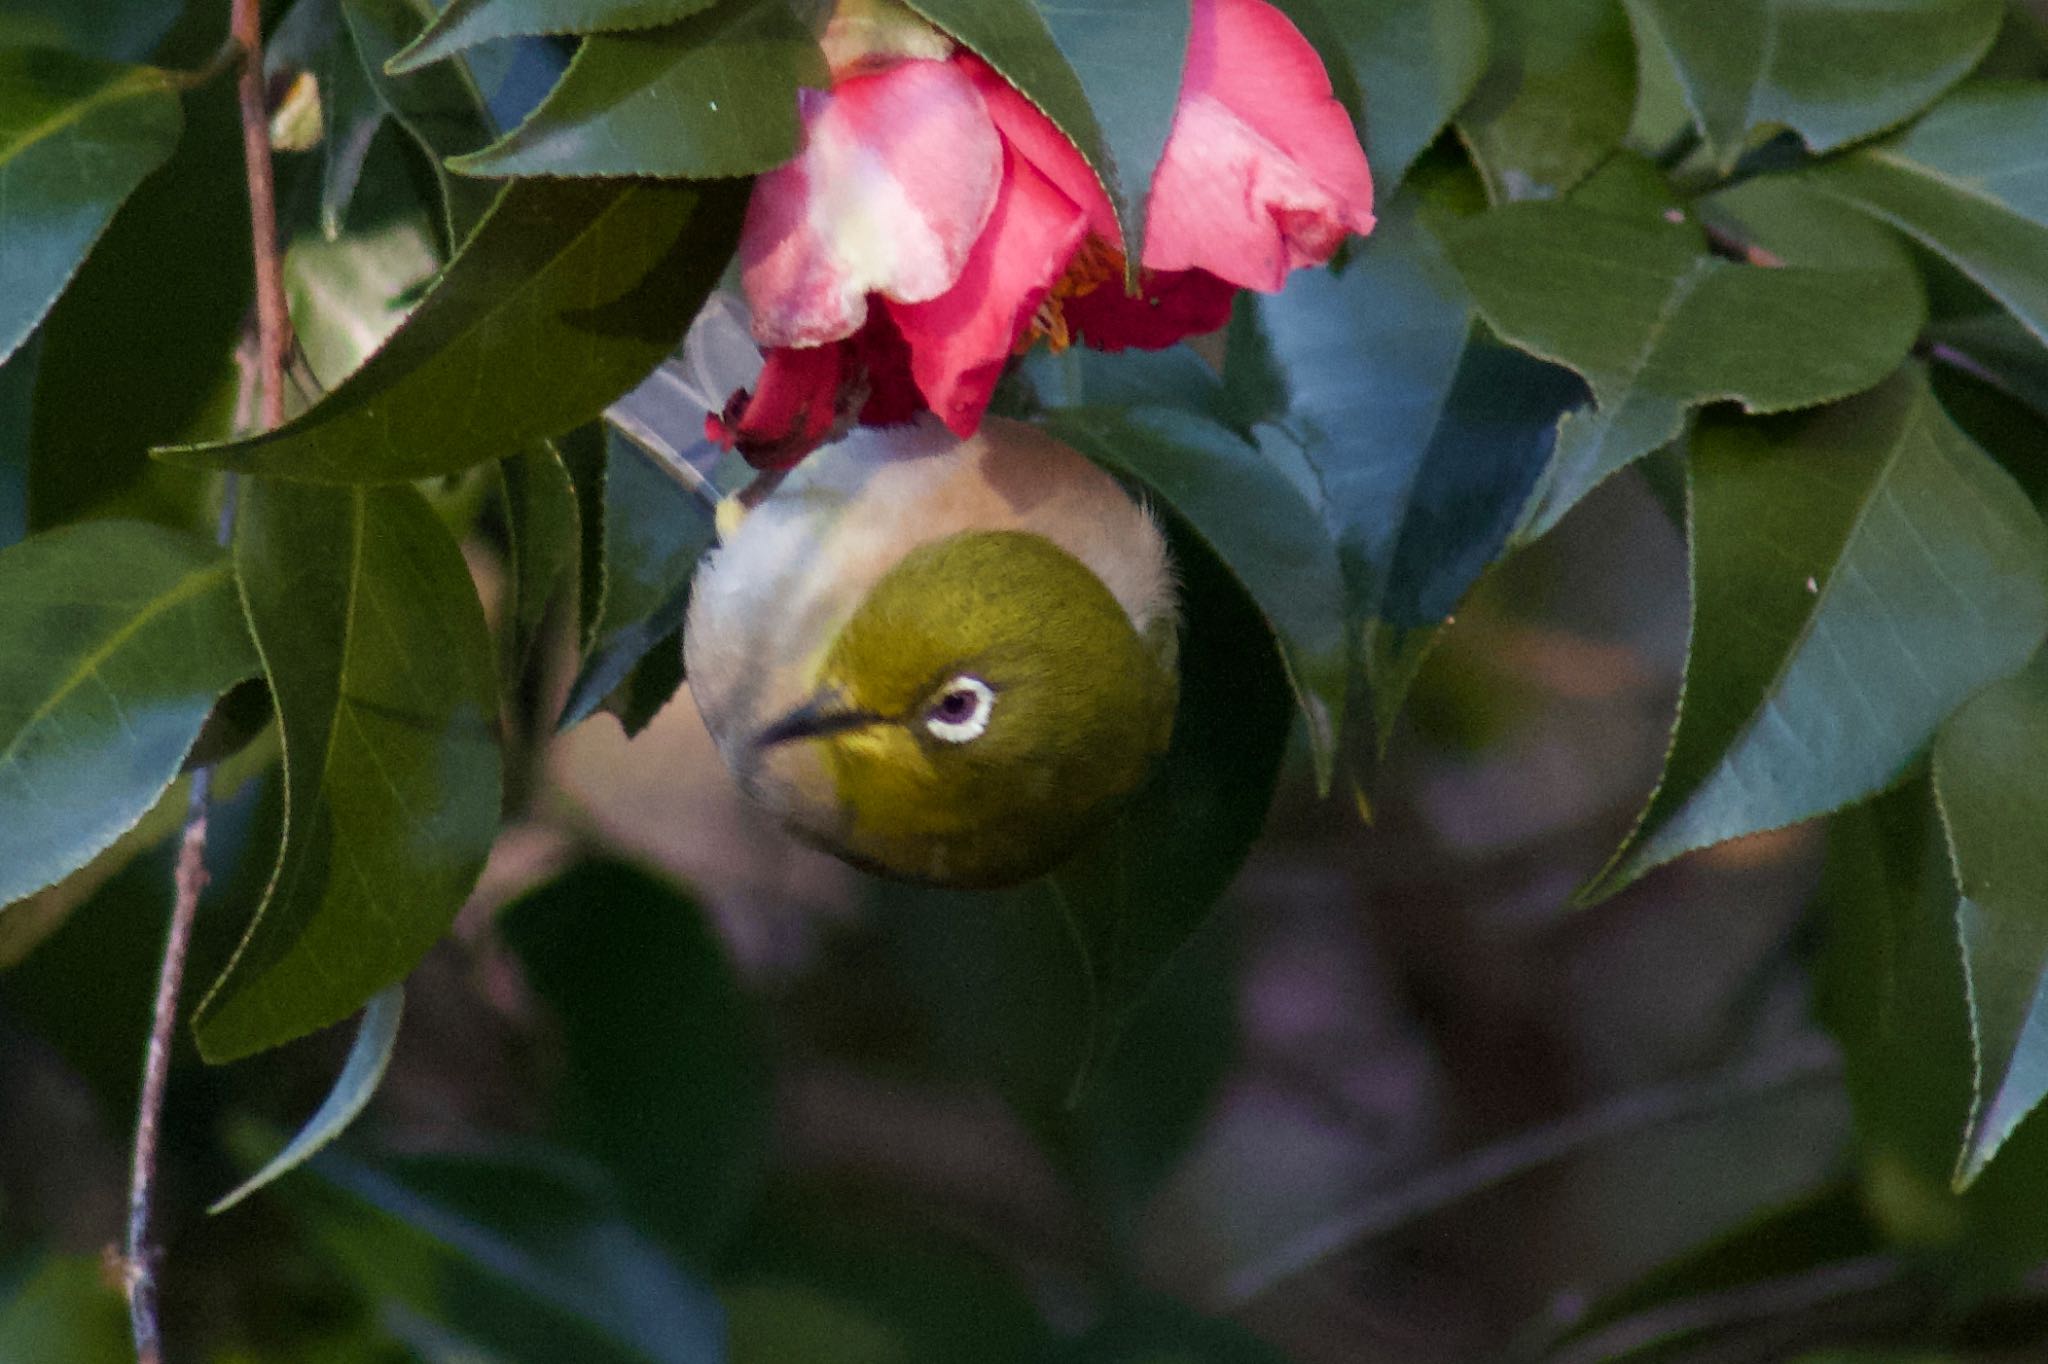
[(937, 223)]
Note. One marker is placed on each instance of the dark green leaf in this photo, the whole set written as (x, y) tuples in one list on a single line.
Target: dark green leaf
[(521, 1260), (66, 1313), (566, 295), (541, 534), (1658, 326), (1991, 345), (1748, 65), (117, 639), (354, 114), (666, 1085), (1857, 574), (1013, 37), (465, 23), (1160, 1331), (381, 667), (441, 110), (1557, 97), (1967, 182), (139, 350), (715, 95), (652, 684), (76, 137), (17, 392), (1272, 539), (1417, 64), (1988, 763), (654, 534), (361, 1073), (1128, 55)]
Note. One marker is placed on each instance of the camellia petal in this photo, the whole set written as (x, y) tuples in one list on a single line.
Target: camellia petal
[(792, 408), (960, 340), (1033, 136), (1169, 307), (1262, 171), (898, 176)]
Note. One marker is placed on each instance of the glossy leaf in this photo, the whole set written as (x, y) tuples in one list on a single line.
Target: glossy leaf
[(465, 23), (1013, 37), (1987, 767), (117, 640), (17, 393), (565, 295), (381, 667), (1417, 64), (76, 137), (1857, 574), (1425, 444), (1128, 56), (666, 1085), (1659, 326), (65, 1313), (1966, 182), (1272, 539), (441, 110), (515, 1259), (654, 533), (361, 1073), (1556, 99), (1748, 65), (714, 95)]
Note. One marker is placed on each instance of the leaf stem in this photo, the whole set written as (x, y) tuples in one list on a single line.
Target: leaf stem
[(266, 375)]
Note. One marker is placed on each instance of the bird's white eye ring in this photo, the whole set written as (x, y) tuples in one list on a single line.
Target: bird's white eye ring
[(962, 710)]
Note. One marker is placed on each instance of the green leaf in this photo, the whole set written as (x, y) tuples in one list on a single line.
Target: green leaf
[(1417, 63), (1128, 56), (1966, 182), (541, 534), (1988, 762), (1013, 37), (1748, 65), (116, 30), (1556, 99), (666, 1085), (1857, 574), (361, 1073), (1659, 326), (354, 114), (117, 639), (1425, 444), (654, 533), (565, 295), (518, 1259), (139, 350), (1161, 1331), (17, 392), (1272, 539), (381, 667), (65, 1313), (714, 95), (76, 136), (440, 110), (465, 23)]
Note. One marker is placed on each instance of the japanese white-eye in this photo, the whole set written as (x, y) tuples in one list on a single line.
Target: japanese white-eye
[(944, 660)]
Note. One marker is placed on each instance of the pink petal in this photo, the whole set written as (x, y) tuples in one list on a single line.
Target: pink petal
[(1035, 137), (897, 177), (960, 341), (1262, 171), (1169, 308), (792, 409)]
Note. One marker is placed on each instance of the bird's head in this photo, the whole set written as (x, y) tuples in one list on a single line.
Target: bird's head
[(979, 712)]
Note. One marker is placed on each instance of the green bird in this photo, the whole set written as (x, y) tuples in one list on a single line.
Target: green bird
[(943, 660)]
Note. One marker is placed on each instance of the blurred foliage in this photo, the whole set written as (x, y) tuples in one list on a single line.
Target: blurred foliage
[(1635, 952)]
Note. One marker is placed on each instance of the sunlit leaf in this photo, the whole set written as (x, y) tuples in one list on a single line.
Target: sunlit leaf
[(116, 641), (566, 295), (377, 655), (76, 136), (1857, 574), (1748, 65), (714, 95)]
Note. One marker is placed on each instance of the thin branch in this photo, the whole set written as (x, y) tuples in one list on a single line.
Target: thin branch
[(266, 377), (1635, 1111)]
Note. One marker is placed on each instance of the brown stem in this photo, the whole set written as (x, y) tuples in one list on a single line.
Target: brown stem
[(266, 377)]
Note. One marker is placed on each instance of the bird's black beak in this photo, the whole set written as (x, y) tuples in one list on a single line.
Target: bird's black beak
[(824, 714)]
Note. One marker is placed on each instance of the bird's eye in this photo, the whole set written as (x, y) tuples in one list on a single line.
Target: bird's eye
[(962, 710)]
